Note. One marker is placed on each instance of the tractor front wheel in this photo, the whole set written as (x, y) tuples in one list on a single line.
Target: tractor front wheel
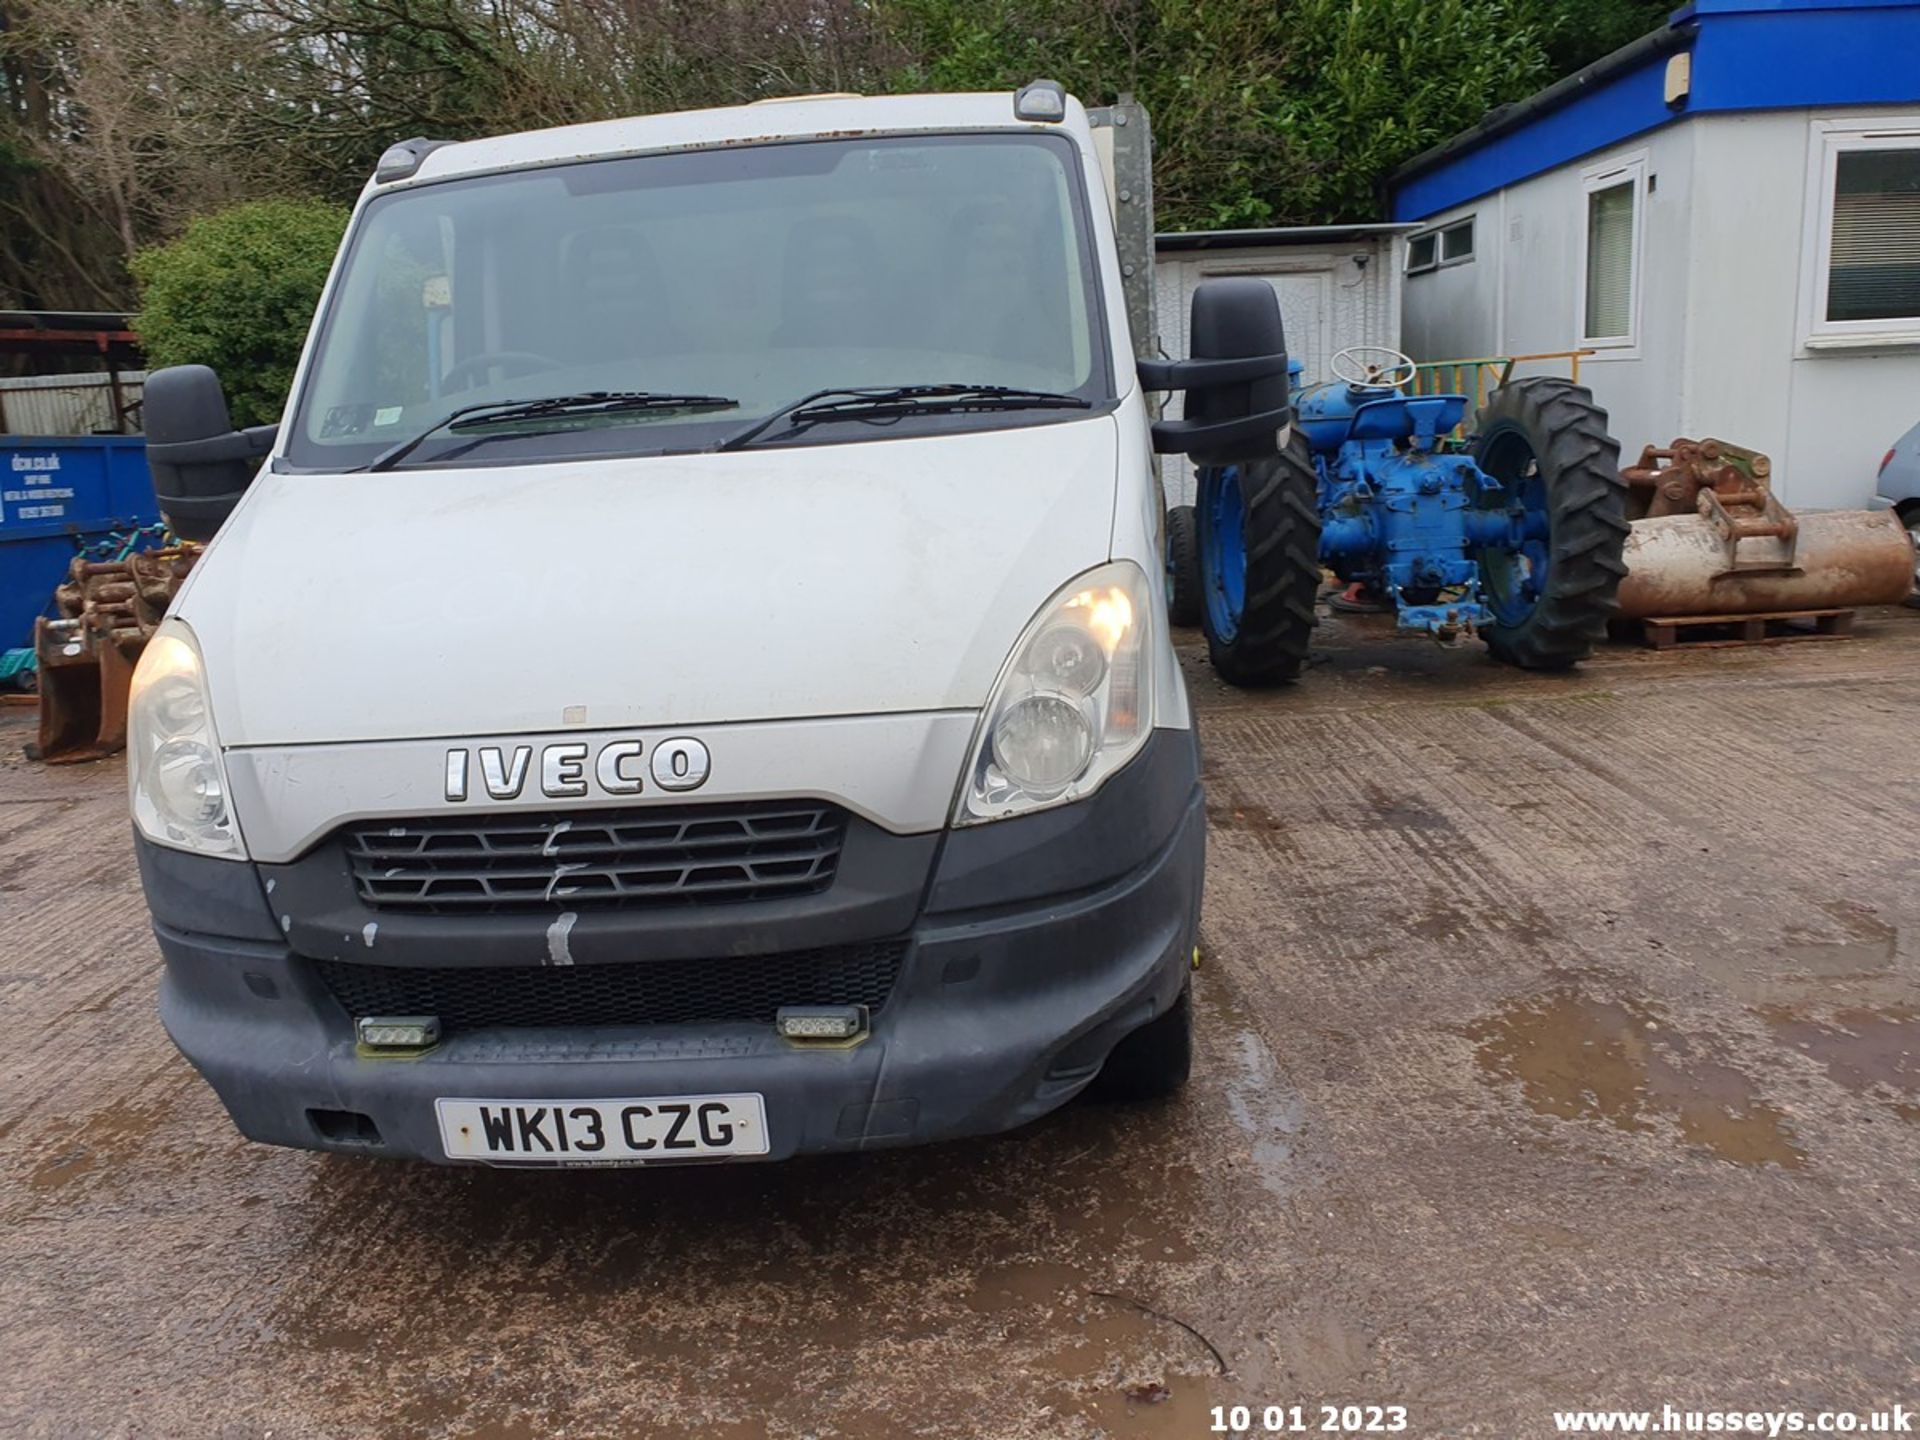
[(1546, 442), (1183, 566), (1259, 565)]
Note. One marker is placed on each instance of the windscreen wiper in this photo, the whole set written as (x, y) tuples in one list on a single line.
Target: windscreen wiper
[(587, 402), (887, 403)]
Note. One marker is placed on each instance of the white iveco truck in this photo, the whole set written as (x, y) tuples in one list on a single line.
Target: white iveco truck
[(689, 678)]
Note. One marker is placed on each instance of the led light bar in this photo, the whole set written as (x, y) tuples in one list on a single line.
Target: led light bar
[(398, 1032), (821, 1022)]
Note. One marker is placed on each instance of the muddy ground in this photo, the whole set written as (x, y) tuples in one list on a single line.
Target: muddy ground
[(1558, 1048)]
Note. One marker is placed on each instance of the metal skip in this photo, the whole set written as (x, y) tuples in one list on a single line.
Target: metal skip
[(1709, 538), (108, 611)]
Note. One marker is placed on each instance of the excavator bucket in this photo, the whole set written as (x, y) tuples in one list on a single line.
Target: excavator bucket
[(108, 611), (1709, 538)]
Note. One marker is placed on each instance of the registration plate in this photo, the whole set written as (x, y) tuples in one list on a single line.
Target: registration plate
[(602, 1132)]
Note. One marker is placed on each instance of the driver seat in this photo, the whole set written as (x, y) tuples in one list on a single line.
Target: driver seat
[(615, 290)]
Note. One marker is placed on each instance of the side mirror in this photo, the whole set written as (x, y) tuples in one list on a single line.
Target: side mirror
[(1237, 403), (201, 465)]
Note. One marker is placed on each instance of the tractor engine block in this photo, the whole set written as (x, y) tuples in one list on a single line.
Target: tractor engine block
[(1398, 511)]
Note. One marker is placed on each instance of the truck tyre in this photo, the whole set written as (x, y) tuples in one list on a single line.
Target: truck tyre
[(1183, 566), (1546, 442), (1260, 565), (1154, 1061)]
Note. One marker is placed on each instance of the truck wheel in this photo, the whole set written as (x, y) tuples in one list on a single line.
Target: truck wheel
[(1546, 442), (1183, 566), (1154, 1061), (1260, 565)]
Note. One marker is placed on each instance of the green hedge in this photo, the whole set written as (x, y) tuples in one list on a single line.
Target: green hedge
[(237, 291)]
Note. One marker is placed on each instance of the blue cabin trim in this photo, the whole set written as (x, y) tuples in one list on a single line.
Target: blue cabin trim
[(1761, 57), (1747, 55), (1626, 105)]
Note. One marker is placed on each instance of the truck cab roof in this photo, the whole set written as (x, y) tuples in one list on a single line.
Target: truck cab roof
[(763, 122)]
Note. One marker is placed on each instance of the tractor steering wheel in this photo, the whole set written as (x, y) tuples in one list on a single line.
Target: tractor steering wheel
[(1373, 367)]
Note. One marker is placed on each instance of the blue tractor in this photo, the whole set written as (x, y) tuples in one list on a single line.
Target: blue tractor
[(1515, 536)]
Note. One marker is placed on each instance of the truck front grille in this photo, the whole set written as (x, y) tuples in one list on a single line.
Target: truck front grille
[(597, 859), (641, 992)]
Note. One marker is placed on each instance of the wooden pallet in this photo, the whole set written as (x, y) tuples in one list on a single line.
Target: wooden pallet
[(1770, 627)]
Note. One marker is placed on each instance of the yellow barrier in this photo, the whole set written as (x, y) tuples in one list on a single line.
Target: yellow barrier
[(1471, 377)]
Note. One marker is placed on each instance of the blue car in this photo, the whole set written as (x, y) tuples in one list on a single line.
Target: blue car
[(1898, 489)]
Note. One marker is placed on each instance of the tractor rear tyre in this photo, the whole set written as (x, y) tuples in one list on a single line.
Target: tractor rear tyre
[(1260, 565), (1183, 566), (1546, 442)]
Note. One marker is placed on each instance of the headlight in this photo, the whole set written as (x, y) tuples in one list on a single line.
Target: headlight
[(1073, 704), (173, 757)]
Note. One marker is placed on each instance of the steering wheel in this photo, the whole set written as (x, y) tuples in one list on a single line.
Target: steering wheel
[(520, 362), (1373, 367)]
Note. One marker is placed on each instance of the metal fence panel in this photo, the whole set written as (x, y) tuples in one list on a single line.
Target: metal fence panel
[(72, 404)]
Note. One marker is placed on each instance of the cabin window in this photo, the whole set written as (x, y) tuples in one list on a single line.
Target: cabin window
[(1611, 269), (1449, 244), (1868, 264)]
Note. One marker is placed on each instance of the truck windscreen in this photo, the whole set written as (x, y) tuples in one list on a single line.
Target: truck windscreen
[(753, 273)]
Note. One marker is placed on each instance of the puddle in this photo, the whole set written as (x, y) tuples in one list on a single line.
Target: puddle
[(1264, 1110), (107, 1134), (999, 1291), (1869, 1052), (502, 1430), (1618, 1064), (1441, 918), (1403, 812), (1321, 1351), (1718, 1110), (1110, 1358), (453, 1416), (1175, 1407), (1230, 811), (1867, 950), (994, 1246), (1442, 921), (1156, 1404), (722, 1284), (1852, 957), (1099, 1347), (1129, 1368), (351, 1339), (1849, 957), (1261, 1104), (1238, 814)]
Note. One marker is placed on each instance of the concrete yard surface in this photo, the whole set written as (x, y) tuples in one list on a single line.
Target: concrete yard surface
[(1559, 1048)]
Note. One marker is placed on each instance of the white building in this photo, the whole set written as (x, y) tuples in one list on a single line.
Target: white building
[(1338, 285), (1726, 213)]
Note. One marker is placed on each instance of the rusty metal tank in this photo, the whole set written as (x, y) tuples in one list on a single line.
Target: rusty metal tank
[(1677, 565)]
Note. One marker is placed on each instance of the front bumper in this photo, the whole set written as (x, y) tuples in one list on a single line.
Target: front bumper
[(1036, 945)]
